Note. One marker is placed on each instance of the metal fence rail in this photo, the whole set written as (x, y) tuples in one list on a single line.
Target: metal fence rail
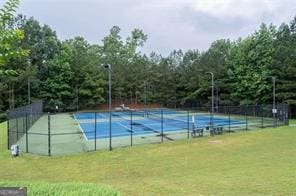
[(65, 133)]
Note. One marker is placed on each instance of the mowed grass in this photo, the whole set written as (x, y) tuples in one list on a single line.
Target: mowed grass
[(61, 189), (40, 186), (261, 162)]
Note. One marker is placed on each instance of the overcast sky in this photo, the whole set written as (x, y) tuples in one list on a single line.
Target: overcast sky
[(170, 24)]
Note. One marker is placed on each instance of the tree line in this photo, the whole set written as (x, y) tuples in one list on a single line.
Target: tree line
[(67, 73)]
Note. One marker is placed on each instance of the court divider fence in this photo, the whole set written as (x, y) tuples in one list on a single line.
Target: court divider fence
[(67, 133)]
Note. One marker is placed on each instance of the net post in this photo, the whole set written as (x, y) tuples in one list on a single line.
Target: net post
[(132, 128), (95, 131), (27, 146), (49, 141), (161, 125), (8, 128), (188, 125)]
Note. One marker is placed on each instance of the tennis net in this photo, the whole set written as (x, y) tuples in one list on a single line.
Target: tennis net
[(184, 124)]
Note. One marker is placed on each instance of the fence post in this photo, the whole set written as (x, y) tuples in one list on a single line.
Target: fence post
[(228, 121), (27, 146), (132, 128), (276, 116), (161, 125), (31, 119), (110, 130), (262, 118), (212, 132), (24, 126), (188, 124), (287, 109), (49, 144), (95, 131), (246, 120), (17, 129), (8, 143)]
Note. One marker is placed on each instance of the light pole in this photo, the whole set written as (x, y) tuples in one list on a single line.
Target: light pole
[(29, 98), (274, 111), (217, 99), (212, 109), (145, 89), (77, 98), (29, 91), (108, 66)]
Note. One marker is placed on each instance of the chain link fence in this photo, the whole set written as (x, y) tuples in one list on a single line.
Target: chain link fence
[(66, 133)]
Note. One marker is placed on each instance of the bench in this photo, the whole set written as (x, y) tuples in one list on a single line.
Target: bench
[(197, 132), (218, 130)]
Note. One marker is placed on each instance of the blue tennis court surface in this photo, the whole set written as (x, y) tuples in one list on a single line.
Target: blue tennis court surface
[(145, 123)]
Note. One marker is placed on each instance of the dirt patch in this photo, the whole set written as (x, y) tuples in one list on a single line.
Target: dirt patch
[(216, 142)]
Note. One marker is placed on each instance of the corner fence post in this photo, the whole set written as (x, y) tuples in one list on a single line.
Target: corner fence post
[(8, 128), (131, 128), (27, 145), (287, 109), (95, 131), (49, 144), (161, 125), (17, 129)]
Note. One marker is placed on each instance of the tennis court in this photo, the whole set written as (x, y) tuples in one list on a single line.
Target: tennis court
[(96, 125), (66, 133)]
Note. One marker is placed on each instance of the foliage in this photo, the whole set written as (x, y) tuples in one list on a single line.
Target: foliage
[(250, 61), (284, 66), (56, 87), (9, 37)]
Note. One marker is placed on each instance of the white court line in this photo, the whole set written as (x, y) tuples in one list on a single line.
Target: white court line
[(81, 128), (123, 126)]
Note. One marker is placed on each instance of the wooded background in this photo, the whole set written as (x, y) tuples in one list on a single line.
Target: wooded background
[(64, 72)]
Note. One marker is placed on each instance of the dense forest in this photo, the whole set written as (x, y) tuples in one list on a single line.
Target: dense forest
[(67, 72)]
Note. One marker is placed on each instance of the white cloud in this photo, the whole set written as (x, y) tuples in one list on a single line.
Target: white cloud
[(246, 9)]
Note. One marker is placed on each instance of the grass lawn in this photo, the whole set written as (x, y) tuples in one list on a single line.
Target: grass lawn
[(61, 189), (260, 162)]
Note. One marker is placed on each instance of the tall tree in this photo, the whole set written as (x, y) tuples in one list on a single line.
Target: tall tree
[(56, 89), (249, 61), (284, 66)]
